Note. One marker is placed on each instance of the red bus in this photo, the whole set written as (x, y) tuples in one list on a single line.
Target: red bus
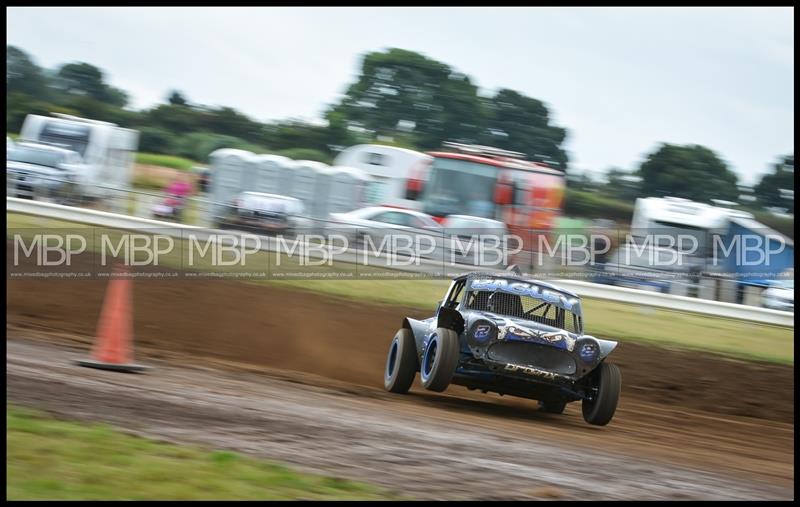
[(491, 183)]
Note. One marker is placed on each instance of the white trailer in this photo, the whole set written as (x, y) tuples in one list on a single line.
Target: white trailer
[(390, 169), (108, 151)]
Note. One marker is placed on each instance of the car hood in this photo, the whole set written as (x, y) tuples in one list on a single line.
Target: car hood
[(780, 292), (39, 170)]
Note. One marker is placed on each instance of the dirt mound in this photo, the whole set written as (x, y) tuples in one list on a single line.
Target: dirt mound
[(346, 340)]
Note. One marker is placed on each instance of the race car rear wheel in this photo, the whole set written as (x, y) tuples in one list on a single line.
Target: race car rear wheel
[(439, 360), (607, 379), (401, 364)]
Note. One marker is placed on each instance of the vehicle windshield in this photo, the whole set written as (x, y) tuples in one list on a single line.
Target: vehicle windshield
[(48, 158), (458, 187), (665, 233), (76, 137), (470, 223), (524, 307)]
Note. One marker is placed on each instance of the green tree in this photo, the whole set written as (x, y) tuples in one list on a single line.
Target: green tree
[(84, 79), (19, 105), (583, 181), (622, 184), (155, 140), (777, 188), (176, 98), (23, 75), (520, 123), (399, 91), (693, 172), (232, 123), (177, 119)]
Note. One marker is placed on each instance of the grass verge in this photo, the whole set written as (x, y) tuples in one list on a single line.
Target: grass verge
[(54, 459), (183, 164)]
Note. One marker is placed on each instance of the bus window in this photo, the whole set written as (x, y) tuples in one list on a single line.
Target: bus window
[(459, 187)]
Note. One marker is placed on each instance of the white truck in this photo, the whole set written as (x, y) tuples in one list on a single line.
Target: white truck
[(739, 255), (106, 150)]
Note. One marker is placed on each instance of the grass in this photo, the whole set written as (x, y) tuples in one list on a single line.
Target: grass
[(173, 162), (604, 319), (55, 459), (148, 182)]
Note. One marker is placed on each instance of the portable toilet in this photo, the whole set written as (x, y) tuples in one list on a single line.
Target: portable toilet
[(307, 186), (286, 183), (271, 173), (347, 190), (232, 174)]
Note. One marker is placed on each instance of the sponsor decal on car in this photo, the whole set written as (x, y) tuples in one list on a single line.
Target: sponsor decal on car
[(530, 371), (588, 351), (482, 332), (525, 289)]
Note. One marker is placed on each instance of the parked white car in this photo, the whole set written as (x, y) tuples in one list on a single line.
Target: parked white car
[(383, 225), (263, 212), (43, 171), (779, 296)]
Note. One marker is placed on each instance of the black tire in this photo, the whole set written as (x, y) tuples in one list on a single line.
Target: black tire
[(401, 364), (552, 406), (608, 380), (439, 360)]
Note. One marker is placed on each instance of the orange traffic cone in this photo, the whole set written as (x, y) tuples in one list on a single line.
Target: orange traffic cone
[(113, 349)]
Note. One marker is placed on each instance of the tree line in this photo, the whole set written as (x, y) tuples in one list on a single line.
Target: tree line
[(401, 98)]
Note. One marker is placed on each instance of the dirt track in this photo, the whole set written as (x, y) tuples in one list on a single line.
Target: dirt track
[(731, 418), (420, 446)]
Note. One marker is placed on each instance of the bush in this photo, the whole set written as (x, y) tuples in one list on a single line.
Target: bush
[(591, 205), (164, 161), (306, 154), (155, 140), (198, 145), (18, 106)]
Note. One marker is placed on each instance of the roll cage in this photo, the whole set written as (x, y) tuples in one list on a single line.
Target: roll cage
[(461, 296)]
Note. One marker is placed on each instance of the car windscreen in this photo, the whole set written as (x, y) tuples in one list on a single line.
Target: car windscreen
[(464, 223), (24, 154), (75, 137), (523, 307)]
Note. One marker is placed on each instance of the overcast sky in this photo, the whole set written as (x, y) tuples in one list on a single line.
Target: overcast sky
[(620, 80)]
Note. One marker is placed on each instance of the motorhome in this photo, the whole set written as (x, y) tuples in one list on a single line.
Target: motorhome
[(390, 169), (107, 150)]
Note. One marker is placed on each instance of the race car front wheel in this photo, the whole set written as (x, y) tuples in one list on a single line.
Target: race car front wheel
[(607, 379), (439, 360), (401, 365)]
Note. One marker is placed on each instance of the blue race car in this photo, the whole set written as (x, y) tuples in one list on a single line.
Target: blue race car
[(510, 335)]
